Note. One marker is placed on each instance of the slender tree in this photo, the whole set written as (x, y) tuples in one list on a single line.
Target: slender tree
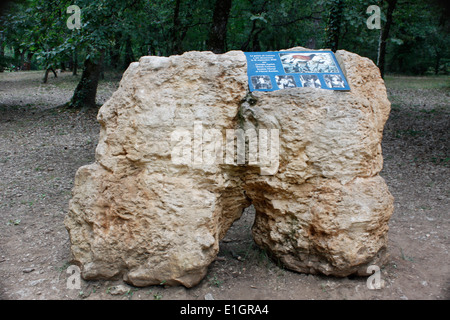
[(384, 35), (218, 33), (86, 90), (129, 55), (333, 30), (258, 25), (176, 27), (101, 20), (75, 62)]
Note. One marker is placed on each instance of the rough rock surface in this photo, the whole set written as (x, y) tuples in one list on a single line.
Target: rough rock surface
[(139, 214)]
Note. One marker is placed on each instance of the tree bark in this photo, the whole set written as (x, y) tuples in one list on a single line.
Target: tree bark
[(245, 45), (129, 55), (255, 31), (437, 63), (22, 59), (218, 33), (2, 45), (176, 41), (312, 42), (334, 25), (255, 41), (86, 90), (19, 58), (44, 80), (384, 35), (115, 51), (27, 63), (75, 62), (70, 62)]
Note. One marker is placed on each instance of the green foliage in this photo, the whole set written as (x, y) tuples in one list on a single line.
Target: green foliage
[(125, 30), (214, 281), (421, 39), (14, 222), (273, 25), (6, 63), (157, 296)]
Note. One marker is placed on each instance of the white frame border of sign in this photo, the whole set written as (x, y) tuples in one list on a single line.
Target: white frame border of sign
[(276, 70)]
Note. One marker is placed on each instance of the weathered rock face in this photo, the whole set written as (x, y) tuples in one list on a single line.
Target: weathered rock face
[(326, 210), (134, 212), (139, 213)]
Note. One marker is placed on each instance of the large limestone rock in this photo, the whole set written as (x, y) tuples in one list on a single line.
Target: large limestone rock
[(140, 213)]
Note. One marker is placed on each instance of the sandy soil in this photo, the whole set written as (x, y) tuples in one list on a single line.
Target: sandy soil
[(41, 147)]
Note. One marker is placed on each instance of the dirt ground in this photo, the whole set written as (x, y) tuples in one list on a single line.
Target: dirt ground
[(41, 147)]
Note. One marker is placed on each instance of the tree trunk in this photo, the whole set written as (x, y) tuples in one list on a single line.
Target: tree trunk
[(254, 32), (218, 33), (177, 46), (129, 56), (16, 54), (75, 62), (312, 42), (334, 25), (22, 59), (255, 41), (115, 51), (86, 90), (437, 63), (70, 63), (27, 63), (44, 80), (2, 45), (384, 35), (253, 38), (19, 58)]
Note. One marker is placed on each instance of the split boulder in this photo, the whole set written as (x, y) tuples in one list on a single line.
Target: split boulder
[(163, 190)]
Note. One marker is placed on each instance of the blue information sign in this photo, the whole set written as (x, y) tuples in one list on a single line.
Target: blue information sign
[(269, 71)]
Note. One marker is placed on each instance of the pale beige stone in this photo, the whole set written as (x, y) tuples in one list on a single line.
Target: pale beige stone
[(134, 213), (327, 209), (138, 215)]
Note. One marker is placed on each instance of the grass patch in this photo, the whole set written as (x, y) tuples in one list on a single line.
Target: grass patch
[(407, 82), (432, 111), (214, 281), (405, 257), (437, 160), (409, 132), (15, 222), (396, 107), (63, 267), (157, 296)]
